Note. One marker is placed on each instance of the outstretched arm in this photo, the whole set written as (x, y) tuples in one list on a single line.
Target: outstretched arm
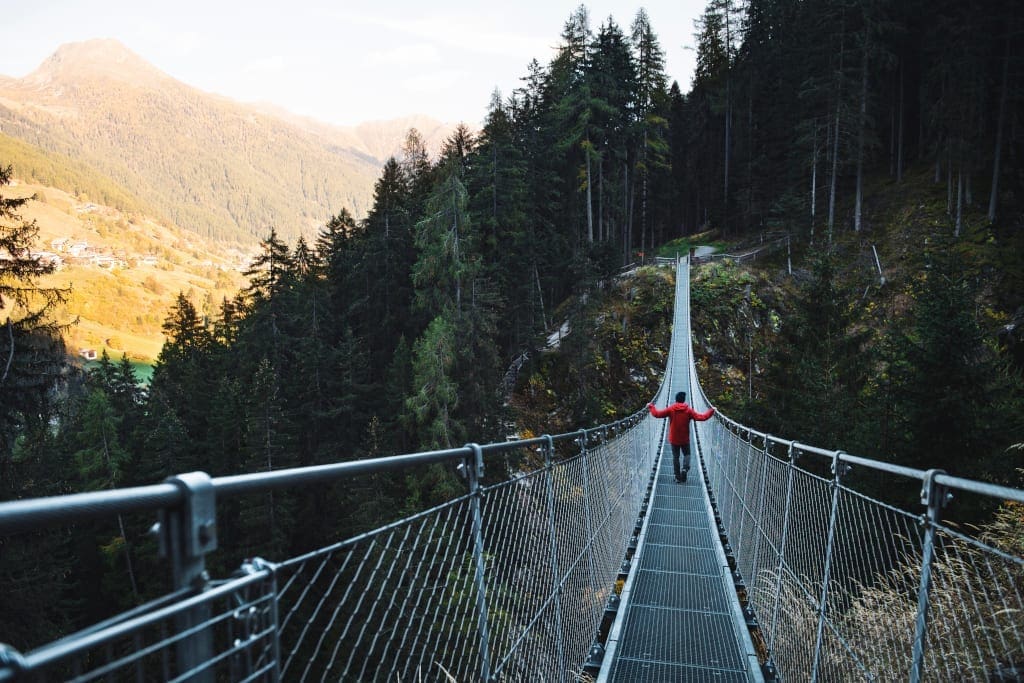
[(656, 412), (700, 417)]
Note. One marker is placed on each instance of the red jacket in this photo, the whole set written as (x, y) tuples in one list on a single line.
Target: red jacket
[(679, 416)]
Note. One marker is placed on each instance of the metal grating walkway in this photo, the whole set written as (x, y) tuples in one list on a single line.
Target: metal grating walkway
[(680, 619)]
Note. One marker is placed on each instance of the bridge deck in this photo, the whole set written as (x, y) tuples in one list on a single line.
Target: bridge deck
[(680, 616)]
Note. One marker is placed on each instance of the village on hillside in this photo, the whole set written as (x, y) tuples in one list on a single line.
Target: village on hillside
[(66, 250)]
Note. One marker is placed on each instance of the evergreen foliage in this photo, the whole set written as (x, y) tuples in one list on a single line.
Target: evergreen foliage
[(956, 403), (405, 330), (31, 350)]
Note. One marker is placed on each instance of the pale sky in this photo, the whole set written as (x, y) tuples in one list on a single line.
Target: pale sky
[(339, 61)]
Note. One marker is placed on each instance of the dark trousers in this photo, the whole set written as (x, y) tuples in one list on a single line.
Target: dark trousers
[(685, 448)]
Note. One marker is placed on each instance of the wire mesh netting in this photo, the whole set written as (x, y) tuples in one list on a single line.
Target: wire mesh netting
[(225, 633), (843, 583), (511, 580), (406, 602), (834, 576)]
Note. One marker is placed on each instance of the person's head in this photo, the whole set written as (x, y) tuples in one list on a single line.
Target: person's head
[(681, 397)]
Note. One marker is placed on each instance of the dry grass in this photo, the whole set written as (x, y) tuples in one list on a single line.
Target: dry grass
[(122, 310), (975, 620)]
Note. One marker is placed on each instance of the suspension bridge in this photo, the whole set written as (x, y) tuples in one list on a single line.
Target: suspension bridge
[(594, 565)]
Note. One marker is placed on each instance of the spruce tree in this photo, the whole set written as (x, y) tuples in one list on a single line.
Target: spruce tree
[(651, 102), (31, 348), (958, 405), (820, 373)]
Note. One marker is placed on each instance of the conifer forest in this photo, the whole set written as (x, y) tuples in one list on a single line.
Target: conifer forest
[(840, 124)]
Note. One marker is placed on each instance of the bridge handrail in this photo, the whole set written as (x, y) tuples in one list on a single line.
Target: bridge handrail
[(19, 516), (860, 585), (943, 479), (459, 567)]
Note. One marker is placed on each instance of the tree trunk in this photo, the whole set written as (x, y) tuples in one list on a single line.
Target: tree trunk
[(601, 235), (835, 173), (643, 195), (128, 557), (728, 113), (892, 141), (835, 143), (590, 204), (728, 141), (899, 133), (959, 200), (814, 178), (630, 206), (625, 213), (540, 297), (860, 139), (949, 185), (457, 257), (120, 521), (994, 194)]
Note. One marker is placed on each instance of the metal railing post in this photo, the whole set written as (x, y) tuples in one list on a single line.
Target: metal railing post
[(782, 547), (838, 470), (187, 533), (742, 502), (556, 577), (755, 564), (588, 494), (935, 497), (475, 472)]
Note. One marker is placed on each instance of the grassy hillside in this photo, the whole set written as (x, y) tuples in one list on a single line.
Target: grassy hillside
[(221, 169), (121, 308), (879, 364), (52, 169)]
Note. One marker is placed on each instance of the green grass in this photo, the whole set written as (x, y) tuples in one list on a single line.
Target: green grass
[(682, 245), (143, 371)]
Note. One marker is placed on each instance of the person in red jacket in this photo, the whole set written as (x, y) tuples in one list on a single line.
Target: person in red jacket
[(679, 415)]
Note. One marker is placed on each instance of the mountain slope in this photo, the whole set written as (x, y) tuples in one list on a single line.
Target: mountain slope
[(221, 169)]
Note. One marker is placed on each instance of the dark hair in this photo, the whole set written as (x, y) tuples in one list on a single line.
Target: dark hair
[(681, 397)]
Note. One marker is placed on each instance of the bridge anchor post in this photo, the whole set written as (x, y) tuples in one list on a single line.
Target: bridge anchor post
[(187, 533), (936, 497), (474, 469)]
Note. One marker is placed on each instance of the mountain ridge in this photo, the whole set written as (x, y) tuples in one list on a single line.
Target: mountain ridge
[(105, 57), (222, 169)]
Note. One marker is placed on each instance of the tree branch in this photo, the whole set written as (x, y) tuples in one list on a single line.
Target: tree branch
[(10, 356)]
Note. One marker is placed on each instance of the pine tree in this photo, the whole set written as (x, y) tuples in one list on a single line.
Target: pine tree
[(958, 406), (31, 348), (651, 103), (385, 270), (181, 391), (573, 114), (266, 520), (268, 272), (417, 170), (820, 373), (447, 249), (435, 394), (499, 205), (612, 85)]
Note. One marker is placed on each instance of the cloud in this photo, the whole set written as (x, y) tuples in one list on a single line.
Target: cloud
[(434, 81), (479, 34), (404, 55), (275, 64), (184, 44)]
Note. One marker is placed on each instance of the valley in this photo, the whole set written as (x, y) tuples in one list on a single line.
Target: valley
[(144, 187), (124, 271)]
